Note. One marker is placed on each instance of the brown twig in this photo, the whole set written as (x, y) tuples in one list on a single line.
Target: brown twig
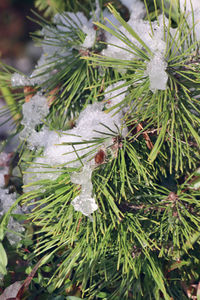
[(145, 135), (29, 92), (79, 222), (26, 282)]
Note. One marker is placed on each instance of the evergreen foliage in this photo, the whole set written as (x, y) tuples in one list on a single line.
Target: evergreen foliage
[(143, 241)]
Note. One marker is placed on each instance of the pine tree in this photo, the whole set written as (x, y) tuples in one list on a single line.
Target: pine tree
[(108, 124)]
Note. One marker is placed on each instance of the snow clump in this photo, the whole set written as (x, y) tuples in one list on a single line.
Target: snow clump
[(20, 80), (54, 49), (34, 113), (62, 147), (156, 72), (156, 67), (6, 201), (65, 148), (136, 8), (84, 202)]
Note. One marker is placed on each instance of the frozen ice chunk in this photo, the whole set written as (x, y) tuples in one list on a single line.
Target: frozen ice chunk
[(84, 203), (83, 176), (155, 40), (33, 138), (157, 65), (157, 74), (6, 201), (20, 80), (116, 48), (58, 153)]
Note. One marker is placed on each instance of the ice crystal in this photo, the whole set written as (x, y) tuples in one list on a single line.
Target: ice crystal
[(84, 202)]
